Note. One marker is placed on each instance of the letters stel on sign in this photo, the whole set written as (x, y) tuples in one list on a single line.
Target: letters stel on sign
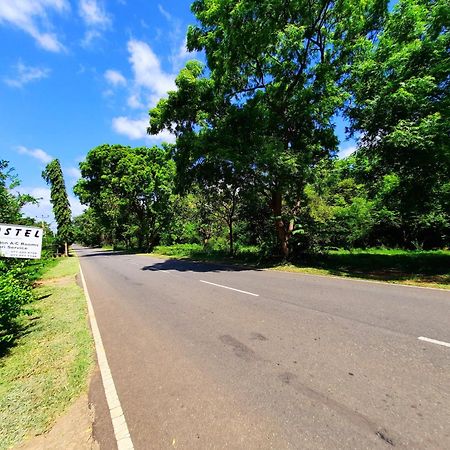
[(20, 241)]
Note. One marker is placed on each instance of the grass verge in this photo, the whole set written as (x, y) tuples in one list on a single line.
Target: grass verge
[(416, 268), (50, 364)]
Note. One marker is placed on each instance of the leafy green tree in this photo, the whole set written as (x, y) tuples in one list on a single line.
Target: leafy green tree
[(10, 203), (130, 191), (60, 202), (401, 106), (273, 89), (87, 229), (339, 211)]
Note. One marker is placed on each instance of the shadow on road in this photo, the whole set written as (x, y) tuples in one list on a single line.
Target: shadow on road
[(192, 266), (102, 253)]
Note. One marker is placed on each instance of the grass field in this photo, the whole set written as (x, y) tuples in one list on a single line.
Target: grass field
[(50, 363), (421, 268)]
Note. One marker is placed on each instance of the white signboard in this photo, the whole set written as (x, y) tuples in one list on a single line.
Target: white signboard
[(20, 241)]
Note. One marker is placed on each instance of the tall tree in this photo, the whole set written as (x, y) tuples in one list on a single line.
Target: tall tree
[(275, 72), (53, 176), (401, 107), (87, 229), (129, 191)]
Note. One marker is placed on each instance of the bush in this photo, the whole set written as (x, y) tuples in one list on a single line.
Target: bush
[(15, 292)]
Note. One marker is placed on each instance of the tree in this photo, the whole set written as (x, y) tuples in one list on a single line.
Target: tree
[(87, 229), (129, 190), (401, 106), (15, 283), (10, 204), (274, 87), (60, 202)]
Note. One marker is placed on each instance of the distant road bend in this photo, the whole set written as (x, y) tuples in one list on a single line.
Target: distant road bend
[(208, 356)]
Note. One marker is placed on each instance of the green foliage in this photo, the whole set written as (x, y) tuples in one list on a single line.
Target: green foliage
[(15, 275), (129, 192), (50, 365), (268, 104), (15, 292), (60, 202), (87, 229), (401, 106), (254, 161), (10, 203), (338, 211)]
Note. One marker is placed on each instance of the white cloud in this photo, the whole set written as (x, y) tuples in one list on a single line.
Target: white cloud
[(31, 16), (147, 69), (37, 153), (137, 129), (176, 34), (94, 14), (344, 152), (75, 205), (150, 81), (115, 78), (26, 74), (167, 15), (179, 57), (43, 209), (150, 84), (95, 18), (134, 101), (90, 36), (133, 129), (72, 172), (183, 52)]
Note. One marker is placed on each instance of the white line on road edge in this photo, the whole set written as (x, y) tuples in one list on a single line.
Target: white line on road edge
[(119, 423), (433, 341), (230, 288)]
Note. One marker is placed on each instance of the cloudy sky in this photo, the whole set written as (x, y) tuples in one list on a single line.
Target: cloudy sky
[(75, 74)]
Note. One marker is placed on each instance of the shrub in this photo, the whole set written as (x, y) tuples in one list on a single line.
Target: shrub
[(15, 292)]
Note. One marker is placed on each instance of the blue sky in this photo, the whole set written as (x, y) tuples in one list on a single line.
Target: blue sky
[(75, 74)]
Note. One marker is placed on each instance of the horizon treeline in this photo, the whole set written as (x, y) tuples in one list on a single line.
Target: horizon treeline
[(255, 162)]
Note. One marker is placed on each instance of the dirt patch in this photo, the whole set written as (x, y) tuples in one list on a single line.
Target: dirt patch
[(61, 281), (73, 431)]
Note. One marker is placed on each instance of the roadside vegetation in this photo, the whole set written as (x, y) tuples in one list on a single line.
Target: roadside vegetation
[(254, 173), (46, 351), (412, 267), (17, 275), (49, 365)]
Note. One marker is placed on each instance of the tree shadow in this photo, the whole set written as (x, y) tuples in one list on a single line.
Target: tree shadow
[(18, 331), (186, 265), (104, 253)]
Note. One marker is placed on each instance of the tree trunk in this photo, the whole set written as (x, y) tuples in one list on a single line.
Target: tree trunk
[(282, 233), (231, 221), (66, 249), (230, 233)]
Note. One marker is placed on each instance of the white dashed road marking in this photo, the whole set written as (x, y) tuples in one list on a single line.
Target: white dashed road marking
[(230, 288), (434, 341)]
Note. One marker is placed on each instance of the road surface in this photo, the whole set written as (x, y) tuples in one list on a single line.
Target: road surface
[(208, 356)]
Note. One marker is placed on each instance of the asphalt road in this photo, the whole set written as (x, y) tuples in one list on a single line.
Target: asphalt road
[(283, 361)]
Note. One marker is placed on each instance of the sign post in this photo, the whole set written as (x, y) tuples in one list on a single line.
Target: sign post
[(20, 241)]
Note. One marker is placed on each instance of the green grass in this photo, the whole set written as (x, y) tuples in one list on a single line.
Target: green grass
[(418, 268), (50, 364), (243, 255), (421, 268)]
